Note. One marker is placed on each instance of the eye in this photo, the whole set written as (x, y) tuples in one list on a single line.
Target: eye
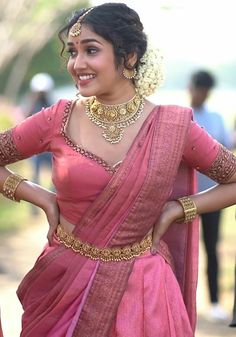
[(91, 50), (71, 52)]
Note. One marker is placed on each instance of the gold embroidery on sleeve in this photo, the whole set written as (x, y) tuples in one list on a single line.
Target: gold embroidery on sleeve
[(8, 151), (223, 167)]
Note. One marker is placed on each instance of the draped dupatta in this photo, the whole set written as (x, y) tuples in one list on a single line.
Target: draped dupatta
[(123, 213)]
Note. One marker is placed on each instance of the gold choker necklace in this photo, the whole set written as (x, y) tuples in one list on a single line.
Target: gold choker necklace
[(114, 118)]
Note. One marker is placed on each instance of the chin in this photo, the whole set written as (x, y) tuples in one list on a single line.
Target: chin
[(85, 95), (86, 92)]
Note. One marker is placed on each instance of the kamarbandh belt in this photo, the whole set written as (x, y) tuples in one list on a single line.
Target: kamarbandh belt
[(103, 254)]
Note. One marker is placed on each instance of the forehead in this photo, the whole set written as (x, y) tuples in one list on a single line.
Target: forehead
[(87, 35)]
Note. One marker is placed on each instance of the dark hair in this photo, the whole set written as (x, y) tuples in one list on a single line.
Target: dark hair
[(116, 23), (203, 79)]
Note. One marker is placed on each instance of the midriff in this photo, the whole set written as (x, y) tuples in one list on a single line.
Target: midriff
[(67, 226)]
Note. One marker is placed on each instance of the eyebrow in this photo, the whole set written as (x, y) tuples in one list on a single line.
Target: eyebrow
[(84, 42)]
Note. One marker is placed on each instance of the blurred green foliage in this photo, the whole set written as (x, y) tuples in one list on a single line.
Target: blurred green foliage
[(6, 116), (48, 59), (13, 215), (5, 121)]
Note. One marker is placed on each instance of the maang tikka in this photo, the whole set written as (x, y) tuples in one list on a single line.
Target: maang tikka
[(76, 28)]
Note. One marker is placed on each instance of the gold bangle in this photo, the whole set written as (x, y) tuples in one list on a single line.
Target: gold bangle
[(10, 185), (189, 207)]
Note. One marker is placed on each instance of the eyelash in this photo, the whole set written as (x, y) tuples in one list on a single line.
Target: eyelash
[(71, 52), (90, 51)]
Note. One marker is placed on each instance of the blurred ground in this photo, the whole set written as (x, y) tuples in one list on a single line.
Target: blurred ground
[(18, 253)]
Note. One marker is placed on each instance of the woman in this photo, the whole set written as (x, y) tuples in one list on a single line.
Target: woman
[(119, 165), (41, 86)]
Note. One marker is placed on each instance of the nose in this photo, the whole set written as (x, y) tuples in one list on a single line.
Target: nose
[(80, 62)]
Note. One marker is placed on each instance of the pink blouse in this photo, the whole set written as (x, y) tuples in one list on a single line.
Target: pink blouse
[(79, 175)]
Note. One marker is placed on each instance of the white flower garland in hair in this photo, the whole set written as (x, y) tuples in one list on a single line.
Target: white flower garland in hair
[(150, 72)]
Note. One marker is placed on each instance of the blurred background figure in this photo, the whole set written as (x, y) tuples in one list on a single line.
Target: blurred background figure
[(40, 96), (234, 136), (233, 322), (1, 333), (41, 86), (200, 86)]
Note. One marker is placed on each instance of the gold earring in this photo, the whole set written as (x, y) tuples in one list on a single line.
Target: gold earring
[(129, 73)]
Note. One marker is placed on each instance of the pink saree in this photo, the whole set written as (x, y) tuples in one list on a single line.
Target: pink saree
[(68, 295)]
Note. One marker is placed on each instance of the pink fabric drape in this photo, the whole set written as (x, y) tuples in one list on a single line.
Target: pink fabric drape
[(166, 139), (152, 305), (62, 280)]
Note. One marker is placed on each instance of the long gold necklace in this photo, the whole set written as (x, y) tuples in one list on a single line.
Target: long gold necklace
[(114, 118)]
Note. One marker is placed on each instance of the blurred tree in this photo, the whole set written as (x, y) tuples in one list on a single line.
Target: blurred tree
[(25, 27)]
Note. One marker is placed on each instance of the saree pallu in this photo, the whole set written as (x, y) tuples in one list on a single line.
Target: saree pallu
[(66, 294)]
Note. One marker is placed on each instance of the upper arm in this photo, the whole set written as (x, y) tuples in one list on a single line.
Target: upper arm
[(208, 156), (32, 136)]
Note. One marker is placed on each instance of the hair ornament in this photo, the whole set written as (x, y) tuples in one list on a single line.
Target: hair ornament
[(76, 28), (150, 74)]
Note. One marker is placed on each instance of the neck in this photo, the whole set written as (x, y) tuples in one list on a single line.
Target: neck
[(121, 95), (118, 102)]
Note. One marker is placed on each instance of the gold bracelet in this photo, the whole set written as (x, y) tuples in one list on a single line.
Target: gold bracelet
[(189, 207), (10, 185)]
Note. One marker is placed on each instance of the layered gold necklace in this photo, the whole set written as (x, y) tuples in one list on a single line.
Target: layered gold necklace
[(114, 118)]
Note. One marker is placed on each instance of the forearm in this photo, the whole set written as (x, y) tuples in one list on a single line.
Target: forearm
[(215, 198), (29, 191)]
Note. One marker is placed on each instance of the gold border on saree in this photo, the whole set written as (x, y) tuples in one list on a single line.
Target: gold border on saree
[(103, 254)]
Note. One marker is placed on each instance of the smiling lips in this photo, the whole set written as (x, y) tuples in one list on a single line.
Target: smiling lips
[(85, 77)]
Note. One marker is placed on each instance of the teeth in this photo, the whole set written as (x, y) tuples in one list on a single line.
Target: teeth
[(85, 77)]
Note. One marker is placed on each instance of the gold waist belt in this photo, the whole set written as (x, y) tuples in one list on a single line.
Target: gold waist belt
[(103, 254)]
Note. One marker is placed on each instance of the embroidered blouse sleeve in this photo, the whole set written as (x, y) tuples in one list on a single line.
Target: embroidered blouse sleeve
[(208, 156), (30, 137)]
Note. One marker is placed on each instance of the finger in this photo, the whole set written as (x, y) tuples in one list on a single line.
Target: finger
[(50, 234), (49, 237), (158, 231), (155, 240)]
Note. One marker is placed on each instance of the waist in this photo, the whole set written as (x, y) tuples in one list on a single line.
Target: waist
[(86, 249), (72, 211)]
